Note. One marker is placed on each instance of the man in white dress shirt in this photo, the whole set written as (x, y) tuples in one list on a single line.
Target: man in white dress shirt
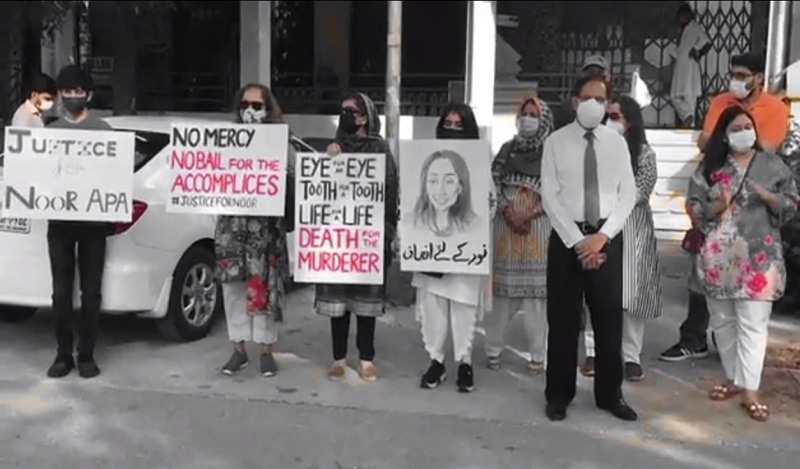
[(588, 191)]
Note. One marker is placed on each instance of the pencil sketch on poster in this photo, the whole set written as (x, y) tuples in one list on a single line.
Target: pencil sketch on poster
[(444, 206)]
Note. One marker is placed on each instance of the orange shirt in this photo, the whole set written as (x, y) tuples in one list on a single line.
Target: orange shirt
[(770, 113)]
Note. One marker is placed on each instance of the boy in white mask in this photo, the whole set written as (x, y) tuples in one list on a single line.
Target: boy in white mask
[(40, 100)]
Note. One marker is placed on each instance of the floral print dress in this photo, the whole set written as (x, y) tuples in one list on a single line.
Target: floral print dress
[(742, 257)]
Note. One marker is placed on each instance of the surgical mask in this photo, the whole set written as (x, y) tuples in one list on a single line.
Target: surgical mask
[(616, 125), (450, 133), (527, 126), (742, 140), (45, 105), (251, 116), (347, 122), (590, 113), (74, 105), (739, 89)]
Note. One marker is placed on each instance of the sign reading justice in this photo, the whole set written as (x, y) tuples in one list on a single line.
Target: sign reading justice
[(228, 169), (70, 175), (339, 210)]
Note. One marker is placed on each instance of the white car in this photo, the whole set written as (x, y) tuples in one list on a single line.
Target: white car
[(160, 266)]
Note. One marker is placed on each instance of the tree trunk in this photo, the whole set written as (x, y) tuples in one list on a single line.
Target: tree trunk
[(123, 76)]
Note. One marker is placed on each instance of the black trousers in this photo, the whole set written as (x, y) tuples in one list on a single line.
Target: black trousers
[(365, 337), (90, 241), (567, 283), (693, 330)]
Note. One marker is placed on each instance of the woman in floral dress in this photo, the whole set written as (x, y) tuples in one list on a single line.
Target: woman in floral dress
[(252, 256), (739, 198)]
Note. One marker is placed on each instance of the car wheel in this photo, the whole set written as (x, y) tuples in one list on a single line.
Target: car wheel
[(10, 314), (195, 300)]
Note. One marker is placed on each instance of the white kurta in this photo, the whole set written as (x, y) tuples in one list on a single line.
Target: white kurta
[(686, 80)]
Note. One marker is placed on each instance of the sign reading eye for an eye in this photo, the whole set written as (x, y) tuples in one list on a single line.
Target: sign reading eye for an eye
[(444, 206)]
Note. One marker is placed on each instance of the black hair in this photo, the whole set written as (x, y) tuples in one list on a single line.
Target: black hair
[(686, 9), (591, 77), (717, 148), (74, 77), (751, 61), (42, 83), (635, 134), (468, 121)]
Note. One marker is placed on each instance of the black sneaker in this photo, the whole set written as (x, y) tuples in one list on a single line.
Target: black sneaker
[(87, 368), (679, 352), (634, 371), (237, 362), (465, 381), (269, 367), (434, 376), (61, 367)]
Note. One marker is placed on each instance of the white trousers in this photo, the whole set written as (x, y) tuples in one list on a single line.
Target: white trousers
[(535, 320), (684, 106), (632, 337), (741, 328), (242, 327), (435, 314)]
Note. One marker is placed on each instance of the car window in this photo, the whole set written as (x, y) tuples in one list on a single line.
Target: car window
[(148, 145)]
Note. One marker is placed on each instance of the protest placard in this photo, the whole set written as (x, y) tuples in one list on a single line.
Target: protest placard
[(339, 203), (444, 206), (70, 175), (228, 169)]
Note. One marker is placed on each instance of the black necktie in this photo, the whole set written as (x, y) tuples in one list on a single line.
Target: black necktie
[(591, 193)]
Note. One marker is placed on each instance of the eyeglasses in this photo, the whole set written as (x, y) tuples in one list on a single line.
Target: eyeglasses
[(614, 116), (256, 105), (350, 110)]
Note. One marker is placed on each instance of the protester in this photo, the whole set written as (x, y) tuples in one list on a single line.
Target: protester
[(450, 300), (521, 235), (739, 198), (75, 87), (252, 255), (359, 132), (588, 192), (772, 119), (40, 100), (564, 114), (641, 291)]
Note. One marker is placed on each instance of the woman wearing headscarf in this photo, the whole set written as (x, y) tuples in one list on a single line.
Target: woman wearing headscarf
[(450, 301), (252, 256), (359, 132), (521, 234), (641, 294)]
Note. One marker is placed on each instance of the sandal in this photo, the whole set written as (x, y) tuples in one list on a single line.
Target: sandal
[(723, 392), (535, 368), (757, 411)]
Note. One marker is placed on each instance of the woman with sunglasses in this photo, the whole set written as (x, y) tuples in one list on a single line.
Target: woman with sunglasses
[(252, 255), (359, 132), (739, 198), (641, 288)]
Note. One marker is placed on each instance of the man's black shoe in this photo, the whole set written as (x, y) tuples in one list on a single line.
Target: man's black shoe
[(556, 412), (61, 367), (87, 368), (621, 410)]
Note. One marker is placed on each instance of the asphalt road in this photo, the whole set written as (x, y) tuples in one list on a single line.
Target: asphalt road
[(165, 405)]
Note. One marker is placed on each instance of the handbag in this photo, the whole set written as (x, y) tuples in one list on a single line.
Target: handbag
[(694, 238)]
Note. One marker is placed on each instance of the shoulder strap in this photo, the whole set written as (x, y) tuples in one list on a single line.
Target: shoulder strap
[(744, 177)]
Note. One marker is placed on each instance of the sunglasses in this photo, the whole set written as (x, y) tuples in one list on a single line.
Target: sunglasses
[(614, 116), (257, 106), (353, 111)]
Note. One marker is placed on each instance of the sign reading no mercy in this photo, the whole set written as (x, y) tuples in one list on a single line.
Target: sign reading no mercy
[(71, 175)]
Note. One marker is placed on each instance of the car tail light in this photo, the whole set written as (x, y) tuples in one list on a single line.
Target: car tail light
[(139, 208)]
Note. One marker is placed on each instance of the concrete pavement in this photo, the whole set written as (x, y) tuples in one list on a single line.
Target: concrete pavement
[(160, 404)]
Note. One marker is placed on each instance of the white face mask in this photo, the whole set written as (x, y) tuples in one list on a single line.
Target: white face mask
[(739, 89), (615, 125), (45, 105), (527, 126), (251, 116), (590, 113), (742, 140)]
